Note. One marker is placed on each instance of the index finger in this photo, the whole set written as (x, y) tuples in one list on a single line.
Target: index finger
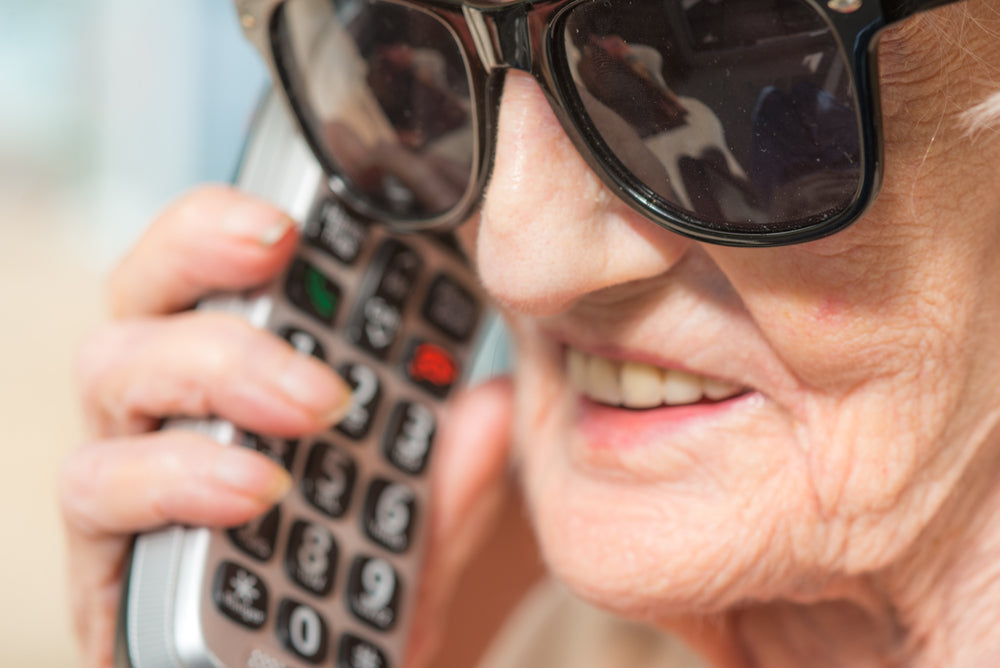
[(215, 238)]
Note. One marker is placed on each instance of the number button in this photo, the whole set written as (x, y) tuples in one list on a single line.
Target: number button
[(329, 479), (409, 436), (373, 592), (451, 308), (302, 630), (336, 233), (390, 514), (240, 595), (357, 653), (304, 342), (367, 391), (311, 558), (311, 291), (282, 452), (257, 537)]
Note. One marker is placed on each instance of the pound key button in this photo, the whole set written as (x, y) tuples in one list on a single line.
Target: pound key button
[(240, 595)]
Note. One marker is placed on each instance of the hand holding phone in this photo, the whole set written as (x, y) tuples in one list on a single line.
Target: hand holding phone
[(313, 501)]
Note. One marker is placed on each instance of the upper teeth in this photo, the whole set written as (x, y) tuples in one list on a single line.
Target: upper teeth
[(638, 385)]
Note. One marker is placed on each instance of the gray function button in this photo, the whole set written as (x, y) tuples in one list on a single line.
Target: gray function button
[(311, 557), (389, 514), (374, 324), (302, 631), (373, 592), (331, 229), (240, 595), (409, 436), (357, 653), (257, 537), (329, 479), (364, 401), (451, 308)]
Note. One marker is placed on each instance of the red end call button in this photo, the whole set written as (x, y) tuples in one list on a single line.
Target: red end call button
[(431, 367)]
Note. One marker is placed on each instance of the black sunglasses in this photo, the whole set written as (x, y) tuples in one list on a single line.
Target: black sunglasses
[(737, 122)]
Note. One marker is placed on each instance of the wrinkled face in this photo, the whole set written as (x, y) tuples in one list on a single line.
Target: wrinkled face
[(699, 425)]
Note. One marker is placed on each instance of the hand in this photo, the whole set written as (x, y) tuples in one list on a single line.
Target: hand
[(155, 359)]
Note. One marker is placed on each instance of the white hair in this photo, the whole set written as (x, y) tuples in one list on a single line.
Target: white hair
[(985, 116)]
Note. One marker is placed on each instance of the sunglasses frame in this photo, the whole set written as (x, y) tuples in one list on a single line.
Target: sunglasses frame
[(521, 35)]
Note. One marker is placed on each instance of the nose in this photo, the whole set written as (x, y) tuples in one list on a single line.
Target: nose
[(550, 232)]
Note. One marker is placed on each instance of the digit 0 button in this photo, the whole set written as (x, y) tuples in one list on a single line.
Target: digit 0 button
[(302, 631)]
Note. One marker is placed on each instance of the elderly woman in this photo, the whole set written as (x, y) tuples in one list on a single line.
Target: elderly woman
[(816, 481)]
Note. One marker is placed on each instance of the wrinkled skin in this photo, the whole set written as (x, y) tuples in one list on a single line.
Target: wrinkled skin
[(841, 512)]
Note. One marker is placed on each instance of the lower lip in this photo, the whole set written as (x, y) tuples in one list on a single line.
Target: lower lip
[(614, 428)]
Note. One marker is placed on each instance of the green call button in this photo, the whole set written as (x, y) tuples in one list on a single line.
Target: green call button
[(312, 291)]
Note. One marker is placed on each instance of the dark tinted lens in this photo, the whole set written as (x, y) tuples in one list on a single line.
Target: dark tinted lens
[(740, 113), (386, 92)]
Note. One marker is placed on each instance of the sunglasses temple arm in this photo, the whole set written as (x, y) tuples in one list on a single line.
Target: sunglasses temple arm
[(897, 10)]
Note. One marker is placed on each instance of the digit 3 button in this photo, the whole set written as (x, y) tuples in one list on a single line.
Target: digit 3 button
[(409, 436)]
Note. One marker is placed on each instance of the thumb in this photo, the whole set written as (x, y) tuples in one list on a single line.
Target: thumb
[(469, 488)]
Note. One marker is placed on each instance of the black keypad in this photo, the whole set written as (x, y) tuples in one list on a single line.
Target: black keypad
[(312, 291), (430, 367), (451, 308), (357, 653), (311, 557), (302, 630), (367, 392), (373, 592), (257, 537), (348, 548), (389, 514), (329, 479), (409, 436), (280, 451), (240, 595), (333, 231), (303, 341)]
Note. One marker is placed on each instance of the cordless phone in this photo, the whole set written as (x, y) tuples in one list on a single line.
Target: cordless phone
[(329, 576)]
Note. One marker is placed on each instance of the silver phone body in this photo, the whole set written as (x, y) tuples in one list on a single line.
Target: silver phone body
[(168, 617)]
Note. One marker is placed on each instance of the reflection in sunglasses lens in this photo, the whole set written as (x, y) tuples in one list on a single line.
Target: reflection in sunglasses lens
[(740, 113), (387, 91)]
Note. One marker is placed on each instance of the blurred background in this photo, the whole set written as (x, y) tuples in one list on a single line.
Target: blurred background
[(108, 110)]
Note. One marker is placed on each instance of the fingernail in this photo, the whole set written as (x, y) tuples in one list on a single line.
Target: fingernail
[(311, 384), (252, 474), (258, 223)]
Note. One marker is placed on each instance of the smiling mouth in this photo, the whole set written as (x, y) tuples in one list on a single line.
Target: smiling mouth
[(638, 385)]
